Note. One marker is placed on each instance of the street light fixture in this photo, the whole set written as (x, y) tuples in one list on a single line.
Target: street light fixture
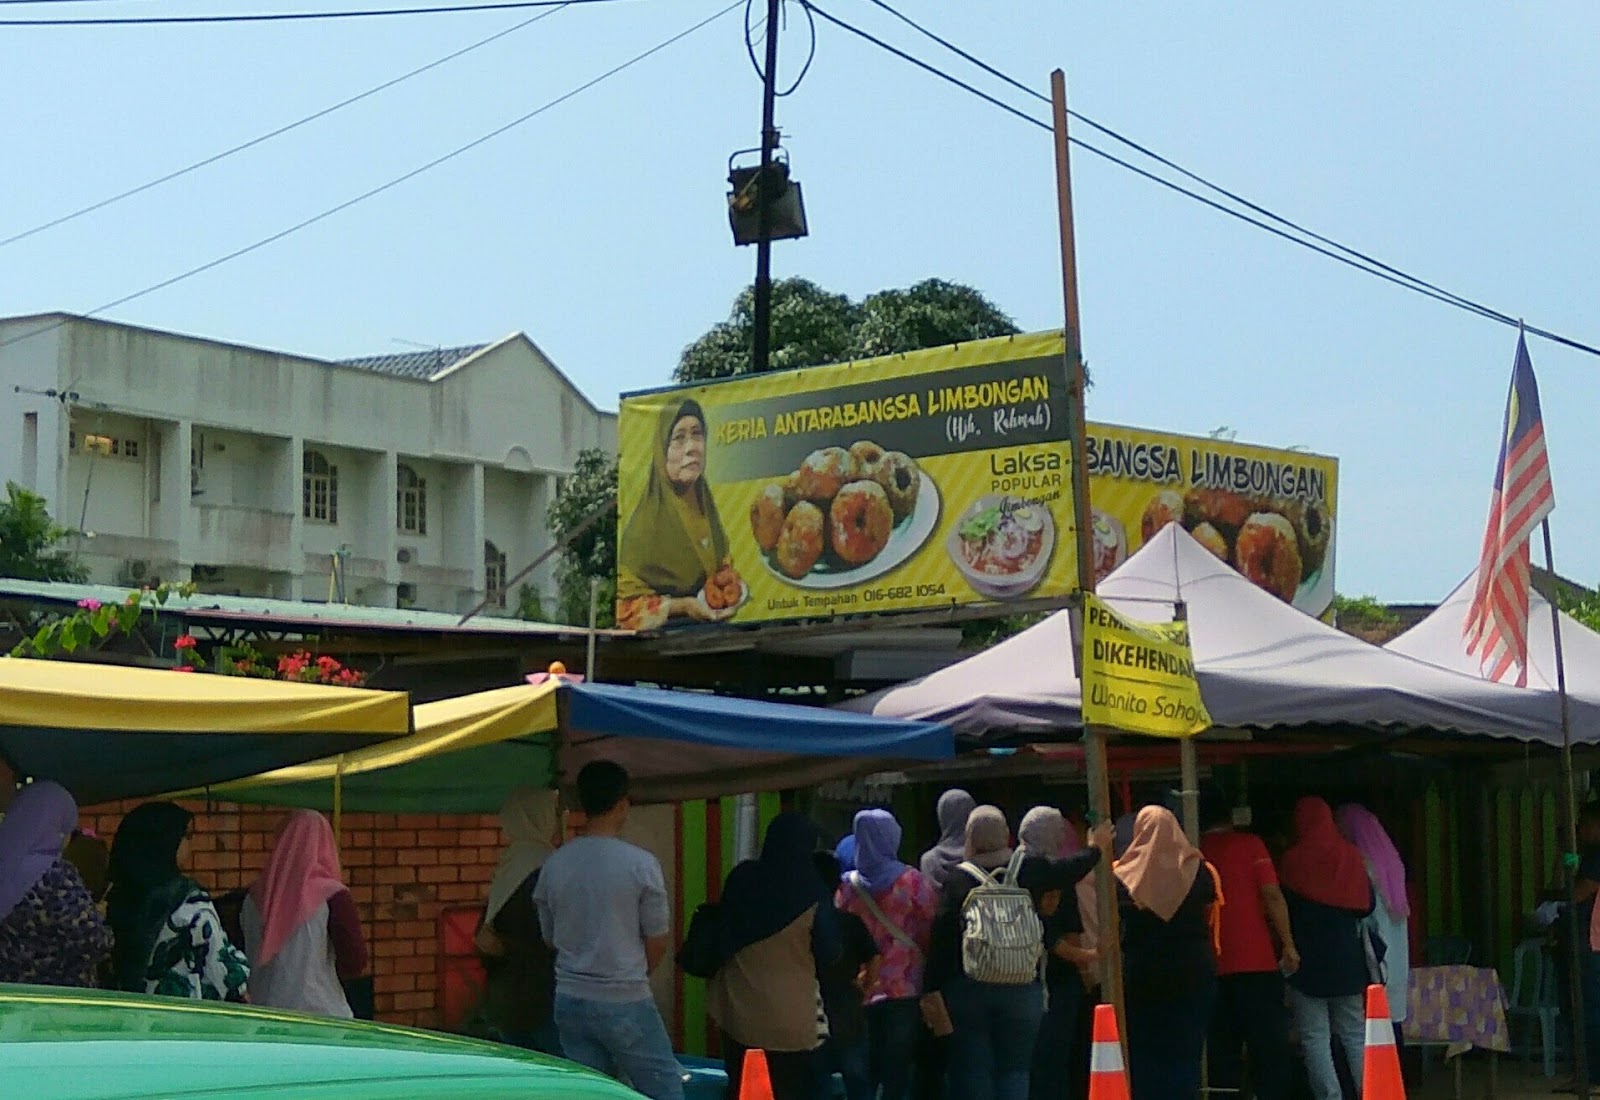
[(786, 211)]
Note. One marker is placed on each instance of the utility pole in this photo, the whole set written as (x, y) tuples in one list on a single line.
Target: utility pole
[(761, 351)]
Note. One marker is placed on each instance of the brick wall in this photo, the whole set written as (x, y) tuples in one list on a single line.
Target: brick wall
[(403, 870)]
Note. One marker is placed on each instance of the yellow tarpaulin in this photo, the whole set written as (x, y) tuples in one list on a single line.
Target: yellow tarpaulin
[(450, 725), (1139, 676), (111, 731)]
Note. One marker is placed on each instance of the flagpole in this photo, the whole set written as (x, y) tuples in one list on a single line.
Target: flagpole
[(1580, 1053)]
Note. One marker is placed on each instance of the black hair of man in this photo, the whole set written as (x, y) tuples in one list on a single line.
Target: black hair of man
[(602, 785)]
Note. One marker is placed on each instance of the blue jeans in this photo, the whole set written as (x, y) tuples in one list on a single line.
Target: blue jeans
[(991, 1050), (626, 1040), (1319, 1019)]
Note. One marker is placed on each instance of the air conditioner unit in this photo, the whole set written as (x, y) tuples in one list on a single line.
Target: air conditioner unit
[(405, 555), (134, 571)]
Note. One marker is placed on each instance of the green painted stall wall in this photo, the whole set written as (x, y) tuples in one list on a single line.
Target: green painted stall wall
[(705, 856), (1450, 870)]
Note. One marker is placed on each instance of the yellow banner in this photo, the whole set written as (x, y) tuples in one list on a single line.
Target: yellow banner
[(1138, 676), (1268, 513), (932, 479)]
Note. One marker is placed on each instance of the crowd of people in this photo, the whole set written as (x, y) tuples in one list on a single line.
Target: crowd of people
[(970, 974), (132, 919), (1222, 948)]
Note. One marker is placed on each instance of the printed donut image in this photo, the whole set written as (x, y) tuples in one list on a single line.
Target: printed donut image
[(839, 512), (1209, 537), (1311, 527), (859, 522), (901, 481), (724, 589), (823, 474), (1267, 551), (867, 457), (767, 513), (1164, 508), (1225, 511), (801, 541)]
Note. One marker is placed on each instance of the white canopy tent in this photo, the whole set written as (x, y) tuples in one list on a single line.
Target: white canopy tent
[(1261, 664), (1437, 640)]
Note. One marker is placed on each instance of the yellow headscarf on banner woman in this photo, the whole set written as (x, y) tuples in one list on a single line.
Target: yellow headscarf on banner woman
[(674, 540)]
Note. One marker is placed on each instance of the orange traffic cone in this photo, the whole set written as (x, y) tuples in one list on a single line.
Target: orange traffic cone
[(1380, 1069), (755, 1079), (1108, 1078)]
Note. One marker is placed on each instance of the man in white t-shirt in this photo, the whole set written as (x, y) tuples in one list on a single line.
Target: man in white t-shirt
[(603, 907)]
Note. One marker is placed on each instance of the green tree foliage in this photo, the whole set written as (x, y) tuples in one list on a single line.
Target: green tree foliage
[(30, 540), (1362, 612), (1583, 606), (593, 553), (811, 327)]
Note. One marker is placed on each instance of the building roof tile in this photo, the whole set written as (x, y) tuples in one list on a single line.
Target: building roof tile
[(424, 365)]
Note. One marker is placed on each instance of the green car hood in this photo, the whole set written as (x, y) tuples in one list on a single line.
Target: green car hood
[(59, 1044)]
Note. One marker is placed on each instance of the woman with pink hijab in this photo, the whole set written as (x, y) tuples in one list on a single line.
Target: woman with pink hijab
[(301, 928), (1392, 912)]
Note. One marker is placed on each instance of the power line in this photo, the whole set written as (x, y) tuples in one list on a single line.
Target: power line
[(268, 136), (293, 16), (381, 188), (1318, 243), (1159, 158)]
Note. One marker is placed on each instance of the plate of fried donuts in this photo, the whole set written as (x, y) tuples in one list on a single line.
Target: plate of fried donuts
[(1283, 545), (845, 516), (725, 592)]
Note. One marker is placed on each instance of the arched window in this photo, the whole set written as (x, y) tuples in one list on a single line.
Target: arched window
[(494, 574), (320, 489), (410, 501)]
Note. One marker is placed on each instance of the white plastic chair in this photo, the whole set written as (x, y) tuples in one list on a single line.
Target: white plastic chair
[(1534, 999)]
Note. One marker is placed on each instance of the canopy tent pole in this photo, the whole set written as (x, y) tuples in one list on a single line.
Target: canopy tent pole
[(338, 796), (1094, 736), (1189, 763), (1580, 1053), (594, 614)]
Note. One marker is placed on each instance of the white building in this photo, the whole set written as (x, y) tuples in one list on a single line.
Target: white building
[(426, 476)]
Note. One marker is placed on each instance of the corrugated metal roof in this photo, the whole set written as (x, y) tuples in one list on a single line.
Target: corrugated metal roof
[(202, 607), (415, 364)]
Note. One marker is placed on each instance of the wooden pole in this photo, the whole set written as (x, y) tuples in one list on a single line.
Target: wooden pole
[(1580, 1053), (1094, 737)]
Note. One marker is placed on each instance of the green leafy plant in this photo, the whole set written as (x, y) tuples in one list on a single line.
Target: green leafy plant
[(94, 622), (30, 540)]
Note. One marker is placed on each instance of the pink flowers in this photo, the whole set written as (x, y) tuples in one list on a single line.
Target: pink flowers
[(185, 641), (89, 604)]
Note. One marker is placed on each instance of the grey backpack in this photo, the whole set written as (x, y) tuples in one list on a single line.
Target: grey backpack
[(1002, 938)]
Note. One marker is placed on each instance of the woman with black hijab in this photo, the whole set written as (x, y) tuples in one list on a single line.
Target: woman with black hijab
[(169, 938), (778, 927)]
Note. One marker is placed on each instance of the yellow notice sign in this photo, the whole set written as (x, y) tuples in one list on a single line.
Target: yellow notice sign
[(1139, 676)]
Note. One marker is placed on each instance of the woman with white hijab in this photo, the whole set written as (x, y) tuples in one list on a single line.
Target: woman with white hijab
[(519, 999)]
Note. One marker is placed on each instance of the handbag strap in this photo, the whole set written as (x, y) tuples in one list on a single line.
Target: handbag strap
[(984, 877), (898, 934)]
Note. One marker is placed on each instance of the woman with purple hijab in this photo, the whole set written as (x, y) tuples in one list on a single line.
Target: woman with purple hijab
[(1390, 915), (50, 931), (897, 903)]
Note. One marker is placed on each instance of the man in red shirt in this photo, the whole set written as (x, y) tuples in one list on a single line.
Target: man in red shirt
[(1257, 951)]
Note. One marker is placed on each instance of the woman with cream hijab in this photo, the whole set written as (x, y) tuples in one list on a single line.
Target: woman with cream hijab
[(1168, 895), (519, 999)]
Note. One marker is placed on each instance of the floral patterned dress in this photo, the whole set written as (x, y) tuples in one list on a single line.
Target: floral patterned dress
[(54, 935), (193, 958)]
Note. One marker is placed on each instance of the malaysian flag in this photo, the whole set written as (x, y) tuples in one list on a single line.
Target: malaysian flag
[(1496, 627)]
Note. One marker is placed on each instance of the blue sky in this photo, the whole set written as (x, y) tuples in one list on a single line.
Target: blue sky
[(1454, 140)]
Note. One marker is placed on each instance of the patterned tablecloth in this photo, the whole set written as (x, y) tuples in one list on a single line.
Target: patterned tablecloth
[(1460, 1007)]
